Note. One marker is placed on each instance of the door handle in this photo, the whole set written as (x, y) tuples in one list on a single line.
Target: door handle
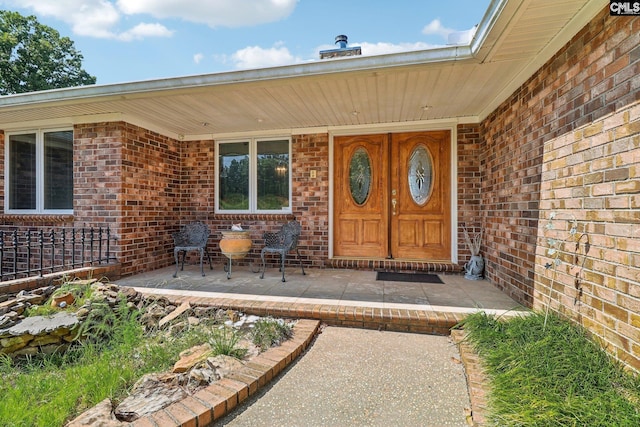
[(394, 202)]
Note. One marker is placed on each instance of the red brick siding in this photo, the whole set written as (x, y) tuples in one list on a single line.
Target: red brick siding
[(197, 181), (469, 186), (311, 195), (151, 165), (567, 141), (128, 178), (97, 173), (593, 75)]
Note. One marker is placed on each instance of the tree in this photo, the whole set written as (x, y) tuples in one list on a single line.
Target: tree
[(34, 57)]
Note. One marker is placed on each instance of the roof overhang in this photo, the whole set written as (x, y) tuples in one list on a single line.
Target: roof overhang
[(462, 83)]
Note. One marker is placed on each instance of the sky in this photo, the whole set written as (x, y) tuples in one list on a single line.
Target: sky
[(137, 40)]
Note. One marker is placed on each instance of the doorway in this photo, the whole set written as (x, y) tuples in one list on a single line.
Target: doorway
[(392, 196)]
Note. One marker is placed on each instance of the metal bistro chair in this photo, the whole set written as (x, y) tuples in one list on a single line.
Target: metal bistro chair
[(192, 237), (282, 242)]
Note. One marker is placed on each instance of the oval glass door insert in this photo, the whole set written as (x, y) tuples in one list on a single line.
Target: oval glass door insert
[(360, 176), (420, 173)]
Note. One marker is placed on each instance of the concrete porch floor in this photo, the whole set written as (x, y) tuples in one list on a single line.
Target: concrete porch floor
[(339, 297)]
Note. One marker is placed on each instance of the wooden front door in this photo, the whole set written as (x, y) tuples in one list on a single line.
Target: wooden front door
[(392, 196), (361, 199)]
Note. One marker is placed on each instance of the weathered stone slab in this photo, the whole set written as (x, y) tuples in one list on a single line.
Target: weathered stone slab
[(39, 325), (152, 393), (100, 415)]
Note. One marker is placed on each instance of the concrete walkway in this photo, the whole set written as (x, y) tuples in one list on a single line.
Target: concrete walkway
[(373, 373), (355, 377)]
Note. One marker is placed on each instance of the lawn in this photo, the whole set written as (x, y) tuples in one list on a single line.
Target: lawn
[(547, 371)]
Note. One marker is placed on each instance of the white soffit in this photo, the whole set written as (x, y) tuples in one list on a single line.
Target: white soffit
[(466, 83)]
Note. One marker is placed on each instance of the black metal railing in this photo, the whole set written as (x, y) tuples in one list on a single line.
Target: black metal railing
[(31, 251)]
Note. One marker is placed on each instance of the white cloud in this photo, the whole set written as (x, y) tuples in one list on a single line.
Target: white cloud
[(219, 13), (143, 30), (258, 57), (101, 18), (435, 27), (197, 58), (382, 48), (93, 18)]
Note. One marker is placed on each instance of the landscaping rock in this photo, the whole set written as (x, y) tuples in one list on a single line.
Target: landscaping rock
[(100, 415), (38, 334), (185, 306), (152, 393), (29, 336), (222, 365), (189, 358), (38, 325)]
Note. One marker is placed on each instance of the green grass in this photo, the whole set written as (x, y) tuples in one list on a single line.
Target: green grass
[(551, 375), (225, 341), (49, 390)]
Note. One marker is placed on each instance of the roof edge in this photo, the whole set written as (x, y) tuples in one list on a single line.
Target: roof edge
[(327, 66)]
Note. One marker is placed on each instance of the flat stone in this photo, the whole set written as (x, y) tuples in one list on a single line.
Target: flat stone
[(100, 415), (174, 314), (39, 325), (9, 345), (7, 321), (149, 395), (34, 299), (189, 358), (44, 340), (223, 364)]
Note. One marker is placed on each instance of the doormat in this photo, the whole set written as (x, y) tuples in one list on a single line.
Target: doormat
[(408, 277)]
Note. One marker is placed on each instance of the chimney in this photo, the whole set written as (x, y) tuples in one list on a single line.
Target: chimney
[(342, 40), (342, 50)]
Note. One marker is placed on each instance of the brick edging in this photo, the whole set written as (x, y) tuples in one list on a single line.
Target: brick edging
[(383, 319), (477, 380), (222, 396)]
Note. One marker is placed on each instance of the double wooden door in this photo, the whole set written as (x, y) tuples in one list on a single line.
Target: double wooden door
[(392, 196)]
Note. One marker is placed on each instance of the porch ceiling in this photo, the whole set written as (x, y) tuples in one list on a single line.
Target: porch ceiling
[(463, 83)]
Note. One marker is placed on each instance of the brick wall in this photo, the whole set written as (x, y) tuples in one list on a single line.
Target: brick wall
[(591, 183), (469, 186), (197, 181), (311, 195), (567, 141), (117, 174), (97, 173), (151, 185), (128, 178), (593, 75)]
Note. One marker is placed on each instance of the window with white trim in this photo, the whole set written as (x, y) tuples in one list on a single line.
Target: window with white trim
[(253, 176), (39, 172)]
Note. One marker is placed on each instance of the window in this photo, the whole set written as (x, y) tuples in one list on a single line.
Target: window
[(40, 172), (253, 176)]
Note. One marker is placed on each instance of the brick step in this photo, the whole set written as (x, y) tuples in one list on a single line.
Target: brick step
[(394, 265)]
